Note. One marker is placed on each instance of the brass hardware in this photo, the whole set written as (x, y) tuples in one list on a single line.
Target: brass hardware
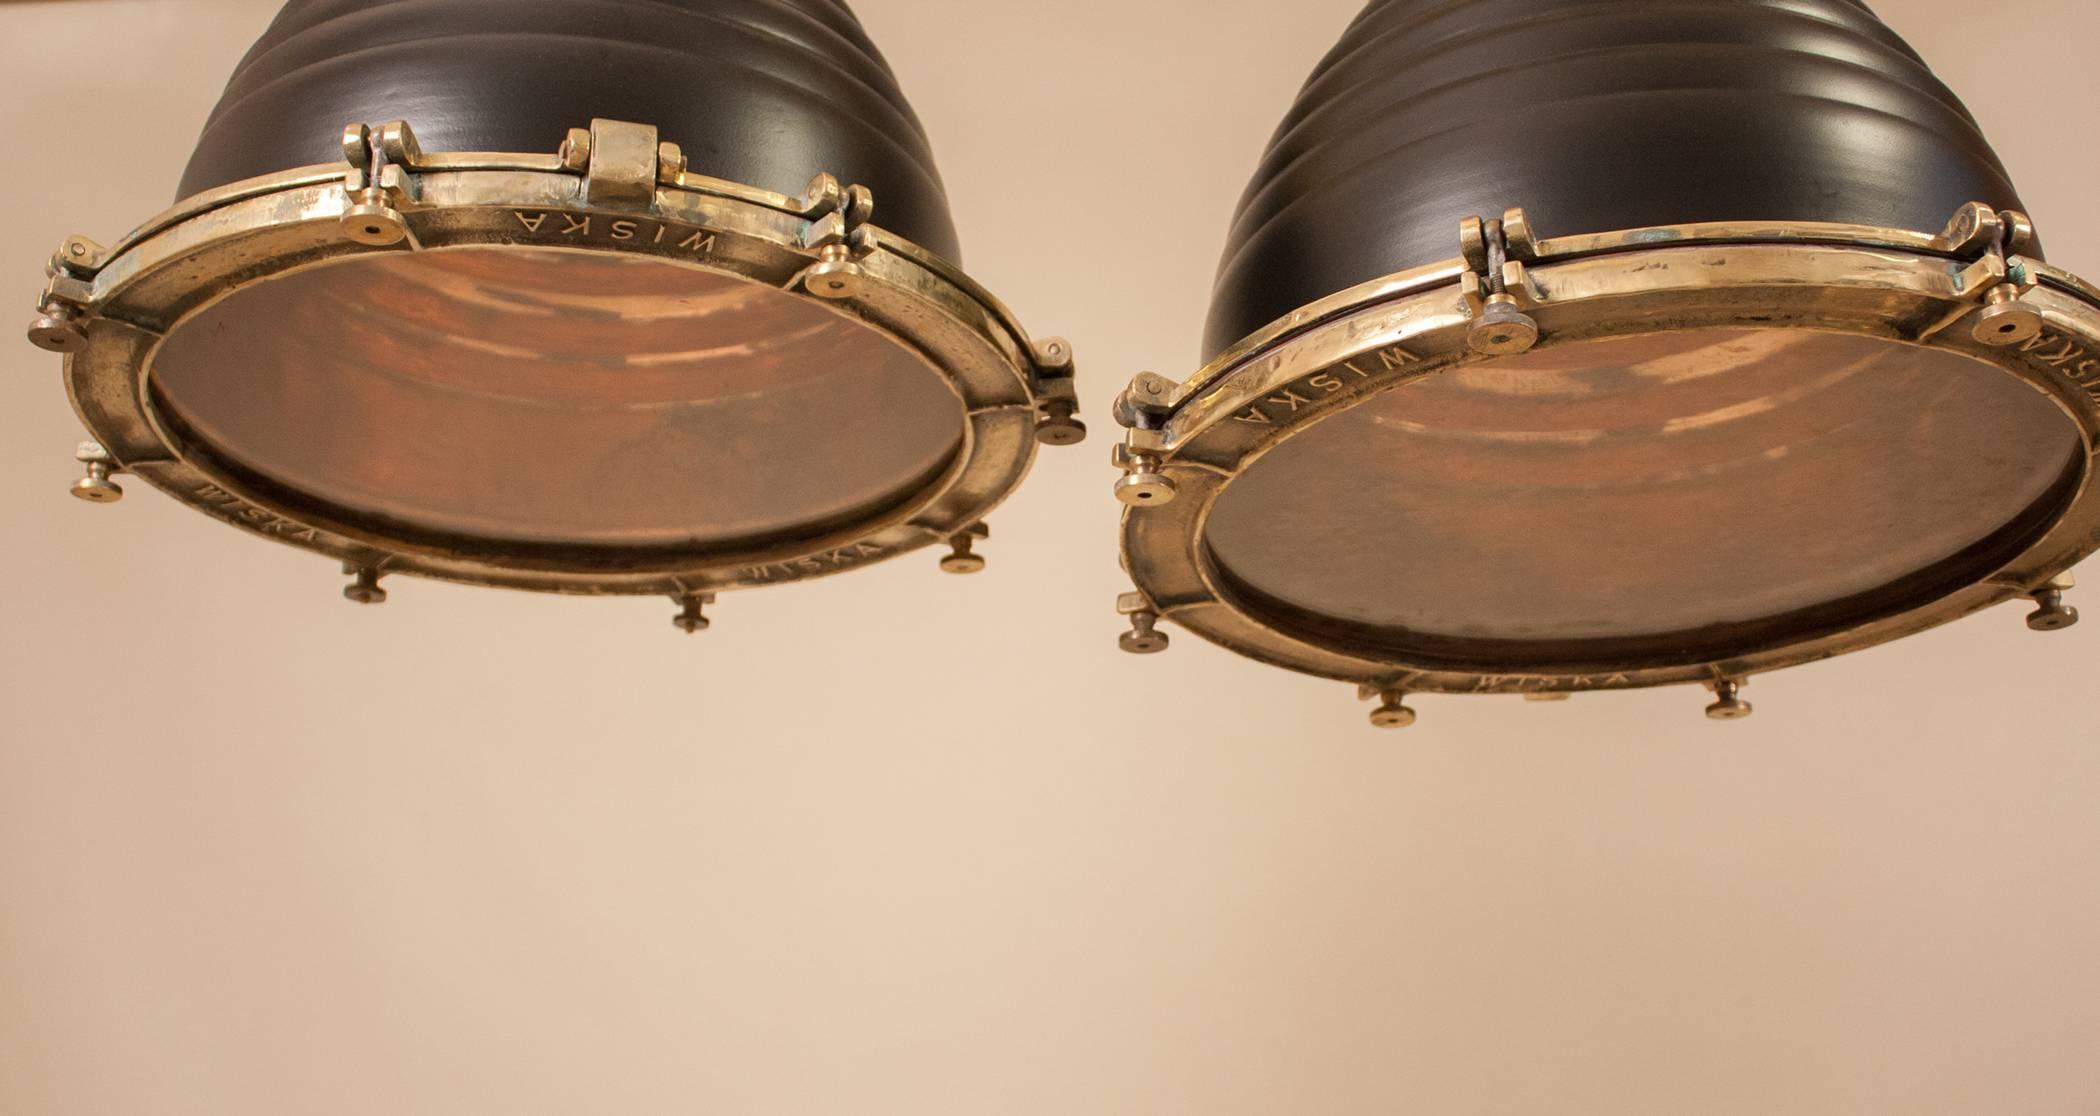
[(96, 487), (1144, 636), (1142, 485), (2052, 614), (1728, 705), (364, 585), (692, 618), (960, 559), (637, 198), (1393, 711)]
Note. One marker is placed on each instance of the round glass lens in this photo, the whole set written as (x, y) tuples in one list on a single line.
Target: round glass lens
[(553, 397), (1644, 487)]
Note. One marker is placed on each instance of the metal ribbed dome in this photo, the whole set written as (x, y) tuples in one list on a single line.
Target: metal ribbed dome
[(1594, 116), (763, 92)]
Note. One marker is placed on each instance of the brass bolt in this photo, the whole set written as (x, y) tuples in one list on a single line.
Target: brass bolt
[(690, 619), (1143, 485), (834, 275), (57, 330), (364, 585), (1144, 637), (1058, 426), (96, 487), (1502, 329), (2004, 320), (960, 559), (575, 151), (370, 220), (2053, 615), (1728, 706), (1392, 711)]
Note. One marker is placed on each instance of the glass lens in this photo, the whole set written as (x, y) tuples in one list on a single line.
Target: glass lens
[(556, 397), (1643, 486)]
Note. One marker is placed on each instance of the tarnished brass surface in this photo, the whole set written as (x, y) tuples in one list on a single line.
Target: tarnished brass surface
[(1735, 448), (1662, 489), (559, 397), (525, 373)]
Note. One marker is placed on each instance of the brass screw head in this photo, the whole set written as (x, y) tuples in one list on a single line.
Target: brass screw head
[(96, 487), (1146, 488), (369, 220), (1058, 426), (364, 589), (2053, 615), (1502, 329), (1144, 638), (2004, 321), (690, 619), (1729, 706), (1392, 713), (834, 275), (57, 334)]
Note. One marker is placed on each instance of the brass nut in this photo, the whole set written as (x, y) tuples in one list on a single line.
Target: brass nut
[(2004, 321), (57, 333), (833, 276), (2052, 614), (1146, 489), (369, 220), (1502, 329), (1058, 426), (575, 151), (1144, 637)]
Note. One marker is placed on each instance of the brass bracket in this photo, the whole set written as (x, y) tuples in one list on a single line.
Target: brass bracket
[(66, 303), (1988, 244), (1496, 289), (839, 232), (379, 184)]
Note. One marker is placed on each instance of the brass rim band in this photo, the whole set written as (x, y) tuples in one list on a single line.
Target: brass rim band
[(612, 188), (1189, 441)]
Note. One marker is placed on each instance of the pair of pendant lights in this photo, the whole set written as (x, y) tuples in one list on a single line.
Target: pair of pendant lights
[(1559, 345)]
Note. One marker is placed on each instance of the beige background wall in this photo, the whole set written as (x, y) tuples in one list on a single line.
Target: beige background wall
[(904, 843)]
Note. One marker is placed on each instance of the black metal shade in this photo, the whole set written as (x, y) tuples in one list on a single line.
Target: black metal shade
[(1594, 116), (763, 92)]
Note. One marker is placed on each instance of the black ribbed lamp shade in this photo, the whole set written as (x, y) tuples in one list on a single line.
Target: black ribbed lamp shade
[(763, 92), (1593, 116)]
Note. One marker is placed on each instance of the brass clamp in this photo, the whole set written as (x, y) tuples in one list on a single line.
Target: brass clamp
[(380, 183), (68, 298), (1495, 290), (1991, 243), (1056, 393), (838, 230), (1144, 408)]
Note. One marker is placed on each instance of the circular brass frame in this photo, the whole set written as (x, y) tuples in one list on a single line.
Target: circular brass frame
[(127, 300), (1889, 284)]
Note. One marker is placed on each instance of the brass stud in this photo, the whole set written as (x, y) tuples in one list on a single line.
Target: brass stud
[(2004, 320), (364, 585), (58, 331), (2052, 615), (1058, 426), (96, 487), (1392, 711), (691, 619), (1502, 329), (1144, 636), (1729, 706), (960, 559), (370, 220), (834, 275)]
